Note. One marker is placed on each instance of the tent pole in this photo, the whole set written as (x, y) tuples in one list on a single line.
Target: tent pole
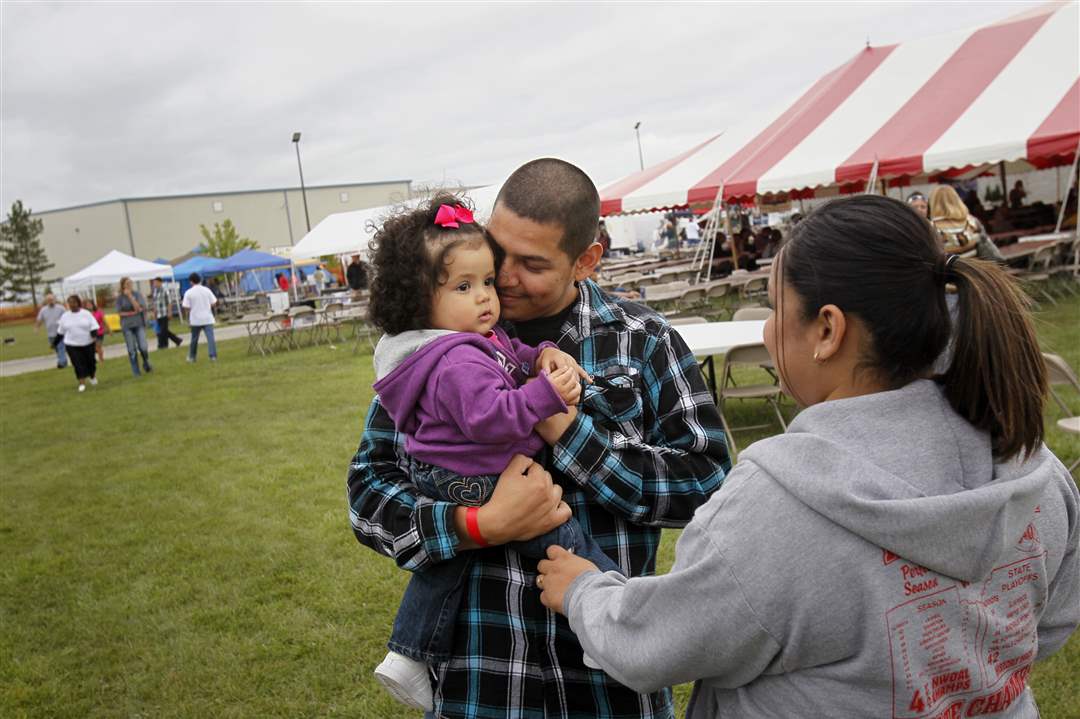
[(711, 229), (1004, 185), (727, 234), (1068, 189), (873, 177), (699, 251)]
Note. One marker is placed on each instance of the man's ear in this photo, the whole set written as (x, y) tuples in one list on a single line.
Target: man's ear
[(587, 261)]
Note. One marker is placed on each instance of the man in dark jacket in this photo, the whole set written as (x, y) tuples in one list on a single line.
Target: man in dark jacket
[(356, 274)]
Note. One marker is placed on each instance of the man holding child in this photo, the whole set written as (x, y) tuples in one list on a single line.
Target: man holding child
[(642, 451)]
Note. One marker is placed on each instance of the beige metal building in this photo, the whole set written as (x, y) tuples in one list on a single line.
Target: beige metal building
[(167, 227)]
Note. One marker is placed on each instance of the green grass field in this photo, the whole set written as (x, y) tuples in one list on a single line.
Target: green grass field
[(177, 545)]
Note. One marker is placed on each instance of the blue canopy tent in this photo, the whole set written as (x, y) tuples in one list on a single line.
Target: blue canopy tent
[(205, 266), (252, 260), (246, 260)]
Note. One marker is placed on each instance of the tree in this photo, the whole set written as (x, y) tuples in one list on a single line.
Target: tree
[(225, 240), (22, 258)]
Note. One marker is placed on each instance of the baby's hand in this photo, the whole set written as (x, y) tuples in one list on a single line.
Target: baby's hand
[(552, 359), (567, 384)]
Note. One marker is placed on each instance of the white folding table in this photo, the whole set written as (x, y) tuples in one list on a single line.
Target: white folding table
[(716, 338)]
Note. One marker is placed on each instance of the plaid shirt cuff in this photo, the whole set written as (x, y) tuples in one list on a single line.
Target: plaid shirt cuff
[(435, 527), (580, 450)]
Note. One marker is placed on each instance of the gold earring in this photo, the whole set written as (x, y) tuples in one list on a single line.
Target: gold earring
[(816, 357)]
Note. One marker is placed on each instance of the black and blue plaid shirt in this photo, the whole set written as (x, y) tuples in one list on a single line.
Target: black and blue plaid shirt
[(161, 302), (645, 452)]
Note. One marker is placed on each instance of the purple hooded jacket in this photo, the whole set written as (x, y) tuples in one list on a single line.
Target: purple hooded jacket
[(460, 399)]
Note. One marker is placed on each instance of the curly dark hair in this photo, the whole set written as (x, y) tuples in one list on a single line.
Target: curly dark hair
[(408, 258)]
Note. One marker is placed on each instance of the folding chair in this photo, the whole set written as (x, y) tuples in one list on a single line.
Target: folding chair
[(1071, 424), (304, 321), (1037, 274), (331, 320), (692, 298), (277, 333), (746, 356), (1067, 271), (1058, 373), (745, 314), (254, 325), (718, 290), (677, 321), (754, 286)]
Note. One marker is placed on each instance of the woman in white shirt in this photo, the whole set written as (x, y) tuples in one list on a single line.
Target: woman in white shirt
[(77, 326)]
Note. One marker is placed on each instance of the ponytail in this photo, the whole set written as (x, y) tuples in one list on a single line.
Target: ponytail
[(875, 258), (997, 378)]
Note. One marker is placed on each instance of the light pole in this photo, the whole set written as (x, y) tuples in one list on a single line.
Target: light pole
[(303, 190), (637, 131)]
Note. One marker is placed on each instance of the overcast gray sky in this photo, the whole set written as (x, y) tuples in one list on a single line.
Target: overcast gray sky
[(107, 100)]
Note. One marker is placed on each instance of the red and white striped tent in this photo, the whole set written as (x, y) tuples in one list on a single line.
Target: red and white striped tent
[(1004, 92)]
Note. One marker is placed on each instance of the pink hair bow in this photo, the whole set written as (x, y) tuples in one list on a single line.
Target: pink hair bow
[(451, 215)]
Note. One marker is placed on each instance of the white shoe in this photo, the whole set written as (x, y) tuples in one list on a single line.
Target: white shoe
[(406, 680), (82, 388), (93, 381)]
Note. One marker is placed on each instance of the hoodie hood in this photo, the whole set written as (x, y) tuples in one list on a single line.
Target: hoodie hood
[(904, 471), (392, 350), (403, 363)]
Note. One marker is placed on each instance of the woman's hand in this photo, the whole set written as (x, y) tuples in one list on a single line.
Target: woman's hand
[(552, 359), (557, 572)]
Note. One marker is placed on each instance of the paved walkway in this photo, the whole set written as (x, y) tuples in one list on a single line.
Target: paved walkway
[(38, 364)]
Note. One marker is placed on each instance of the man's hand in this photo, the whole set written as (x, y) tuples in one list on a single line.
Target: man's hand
[(557, 572), (552, 359), (567, 383), (525, 504)]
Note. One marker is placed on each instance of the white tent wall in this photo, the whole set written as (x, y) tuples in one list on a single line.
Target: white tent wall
[(625, 231), (348, 233), (110, 268)]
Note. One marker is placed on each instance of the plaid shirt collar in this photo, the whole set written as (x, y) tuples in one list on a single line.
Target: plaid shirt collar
[(593, 309)]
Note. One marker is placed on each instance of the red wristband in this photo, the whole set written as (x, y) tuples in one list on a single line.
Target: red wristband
[(473, 526)]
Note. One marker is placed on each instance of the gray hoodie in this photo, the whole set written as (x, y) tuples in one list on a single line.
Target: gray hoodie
[(871, 562)]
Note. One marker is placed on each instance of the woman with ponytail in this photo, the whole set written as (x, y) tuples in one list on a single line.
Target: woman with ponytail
[(908, 548)]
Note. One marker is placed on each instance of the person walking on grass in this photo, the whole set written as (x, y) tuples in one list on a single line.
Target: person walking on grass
[(76, 328), (199, 303), (49, 315), (103, 329), (162, 311), (131, 306)]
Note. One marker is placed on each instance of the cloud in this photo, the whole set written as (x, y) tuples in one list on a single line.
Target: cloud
[(99, 101)]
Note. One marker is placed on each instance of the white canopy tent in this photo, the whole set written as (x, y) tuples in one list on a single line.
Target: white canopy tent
[(348, 233), (111, 268)]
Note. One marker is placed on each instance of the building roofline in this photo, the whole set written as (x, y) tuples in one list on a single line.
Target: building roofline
[(225, 193)]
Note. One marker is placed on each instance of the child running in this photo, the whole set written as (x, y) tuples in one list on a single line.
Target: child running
[(103, 329), (466, 397)]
